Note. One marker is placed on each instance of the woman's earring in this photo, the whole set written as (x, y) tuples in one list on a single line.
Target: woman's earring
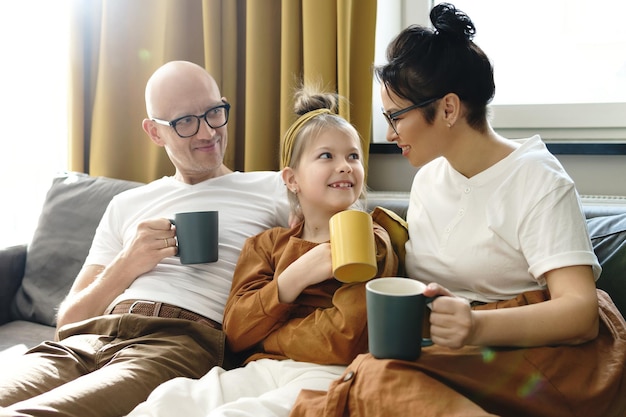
[(449, 125)]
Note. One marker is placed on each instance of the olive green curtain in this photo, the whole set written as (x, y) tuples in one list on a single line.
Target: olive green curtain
[(257, 50)]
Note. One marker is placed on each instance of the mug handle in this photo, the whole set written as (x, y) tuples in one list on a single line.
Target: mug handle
[(173, 223), (428, 300), (426, 341)]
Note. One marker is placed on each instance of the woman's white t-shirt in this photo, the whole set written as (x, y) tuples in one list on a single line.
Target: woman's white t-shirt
[(494, 235)]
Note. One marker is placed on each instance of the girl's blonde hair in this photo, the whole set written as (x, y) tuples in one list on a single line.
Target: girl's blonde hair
[(309, 126)]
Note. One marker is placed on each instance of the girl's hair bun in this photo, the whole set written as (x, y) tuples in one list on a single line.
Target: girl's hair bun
[(452, 23), (311, 98)]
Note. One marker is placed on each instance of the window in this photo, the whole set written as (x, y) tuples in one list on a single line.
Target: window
[(34, 44), (559, 65), (552, 52)]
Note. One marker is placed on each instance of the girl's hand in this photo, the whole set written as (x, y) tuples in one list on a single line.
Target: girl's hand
[(317, 263), (313, 267), (451, 318)]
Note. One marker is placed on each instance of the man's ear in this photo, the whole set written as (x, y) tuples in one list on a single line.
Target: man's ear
[(289, 178), (150, 128), (451, 108)]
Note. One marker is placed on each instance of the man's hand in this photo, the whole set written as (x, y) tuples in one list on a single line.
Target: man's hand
[(154, 240), (96, 286)]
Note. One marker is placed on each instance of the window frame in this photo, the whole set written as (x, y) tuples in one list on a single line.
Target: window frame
[(573, 128)]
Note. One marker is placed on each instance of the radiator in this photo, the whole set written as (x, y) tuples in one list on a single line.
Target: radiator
[(592, 200)]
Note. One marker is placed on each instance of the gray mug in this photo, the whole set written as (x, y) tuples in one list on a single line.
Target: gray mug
[(197, 236), (395, 312)]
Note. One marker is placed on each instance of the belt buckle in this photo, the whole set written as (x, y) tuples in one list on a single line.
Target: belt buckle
[(134, 304)]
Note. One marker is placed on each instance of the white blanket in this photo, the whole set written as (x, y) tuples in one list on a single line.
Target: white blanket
[(264, 387)]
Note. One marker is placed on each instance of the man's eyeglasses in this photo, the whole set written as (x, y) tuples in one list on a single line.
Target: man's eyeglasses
[(187, 126), (392, 118)]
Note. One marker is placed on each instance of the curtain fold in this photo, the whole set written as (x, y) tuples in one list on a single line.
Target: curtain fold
[(224, 58), (259, 51), (262, 81)]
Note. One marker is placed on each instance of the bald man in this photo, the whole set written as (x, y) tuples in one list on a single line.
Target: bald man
[(135, 316)]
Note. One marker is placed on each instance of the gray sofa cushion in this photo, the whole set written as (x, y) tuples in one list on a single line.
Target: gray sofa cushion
[(71, 212), (18, 336), (608, 236)]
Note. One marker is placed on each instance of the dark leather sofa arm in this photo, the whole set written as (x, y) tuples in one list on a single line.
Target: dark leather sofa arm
[(12, 263), (608, 236)]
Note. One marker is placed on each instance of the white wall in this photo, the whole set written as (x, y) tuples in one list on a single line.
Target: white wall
[(573, 122), (593, 175)]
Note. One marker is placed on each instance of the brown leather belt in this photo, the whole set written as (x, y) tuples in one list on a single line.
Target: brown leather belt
[(154, 309)]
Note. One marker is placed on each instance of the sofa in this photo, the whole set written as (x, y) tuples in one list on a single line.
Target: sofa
[(35, 278)]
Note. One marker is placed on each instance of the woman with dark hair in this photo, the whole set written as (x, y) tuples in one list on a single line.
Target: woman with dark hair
[(497, 231)]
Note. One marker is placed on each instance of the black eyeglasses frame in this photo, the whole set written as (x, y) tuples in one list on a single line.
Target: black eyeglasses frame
[(392, 118), (172, 123)]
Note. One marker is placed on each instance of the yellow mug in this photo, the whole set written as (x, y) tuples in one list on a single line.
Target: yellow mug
[(352, 246)]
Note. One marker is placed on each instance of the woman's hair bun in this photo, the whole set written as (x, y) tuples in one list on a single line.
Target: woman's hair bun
[(450, 22)]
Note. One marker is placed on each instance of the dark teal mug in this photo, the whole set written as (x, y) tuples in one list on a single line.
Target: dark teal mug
[(197, 236), (395, 312)]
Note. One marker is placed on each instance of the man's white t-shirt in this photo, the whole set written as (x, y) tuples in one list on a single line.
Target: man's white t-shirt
[(494, 235), (248, 203)]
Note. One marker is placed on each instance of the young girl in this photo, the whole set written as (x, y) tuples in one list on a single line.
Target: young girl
[(496, 228), (296, 325)]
